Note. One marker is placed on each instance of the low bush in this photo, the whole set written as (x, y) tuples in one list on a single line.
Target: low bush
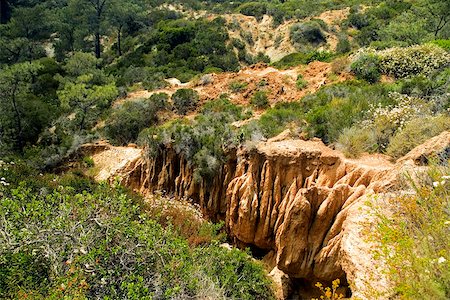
[(358, 20), (275, 120), (382, 123), (339, 106), (343, 45), (367, 67), (184, 100), (160, 101), (416, 132), (149, 79), (388, 120), (355, 141), (238, 86), (339, 65), (300, 58), (307, 32), (125, 122), (102, 244), (260, 99), (255, 9), (202, 140), (444, 44), (406, 62), (301, 83)]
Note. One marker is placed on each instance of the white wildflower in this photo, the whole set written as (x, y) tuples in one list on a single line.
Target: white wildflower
[(441, 260)]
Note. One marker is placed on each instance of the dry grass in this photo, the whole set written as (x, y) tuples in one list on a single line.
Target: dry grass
[(415, 239)]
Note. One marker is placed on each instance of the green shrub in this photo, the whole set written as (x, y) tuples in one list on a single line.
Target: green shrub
[(339, 65), (88, 162), (367, 67), (307, 32), (381, 123), (201, 140), (22, 271), (261, 57), (222, 266), (255, 9), (154, 81), (275, 120), (295, 59), (160, 101), (357, 140), (444, 44), (125, 122), (238, 86), (421, 59), (339, 106), (184, 100), (343, 45), (260, 99), (358, 20), (262, 83), (301, 83), (416, 132), (103, 244)]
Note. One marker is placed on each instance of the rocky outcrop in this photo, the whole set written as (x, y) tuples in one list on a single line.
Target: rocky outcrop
[(291, 197), (299, 201)]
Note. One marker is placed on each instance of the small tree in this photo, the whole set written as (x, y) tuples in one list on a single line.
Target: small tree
[(184, 100), (260, 99), (83, 99), (120, 16), (15, 84)]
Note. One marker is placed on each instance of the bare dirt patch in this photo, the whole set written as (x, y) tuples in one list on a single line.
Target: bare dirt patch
[(280, 85)]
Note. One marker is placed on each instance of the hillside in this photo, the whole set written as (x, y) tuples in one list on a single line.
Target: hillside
[(224, 149)]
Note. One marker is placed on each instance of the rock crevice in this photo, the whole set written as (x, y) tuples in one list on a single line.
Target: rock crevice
[(291, 197)]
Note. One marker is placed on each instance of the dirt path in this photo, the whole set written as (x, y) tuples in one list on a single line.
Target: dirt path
[(109, 161)]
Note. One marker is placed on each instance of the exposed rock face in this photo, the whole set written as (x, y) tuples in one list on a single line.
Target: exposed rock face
[(300, 201), (291, 197)]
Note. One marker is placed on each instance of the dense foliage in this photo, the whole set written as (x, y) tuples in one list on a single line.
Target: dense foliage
[(67, 237), (203, 140)]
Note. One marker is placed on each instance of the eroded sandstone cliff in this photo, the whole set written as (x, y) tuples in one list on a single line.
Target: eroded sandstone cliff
[(299, 202)]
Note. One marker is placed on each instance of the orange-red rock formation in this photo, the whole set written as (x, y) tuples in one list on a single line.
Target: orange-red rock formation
[(288, 196), (297, 200)]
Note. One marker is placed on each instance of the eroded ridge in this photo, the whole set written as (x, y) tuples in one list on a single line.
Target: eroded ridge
[(290, 197)]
